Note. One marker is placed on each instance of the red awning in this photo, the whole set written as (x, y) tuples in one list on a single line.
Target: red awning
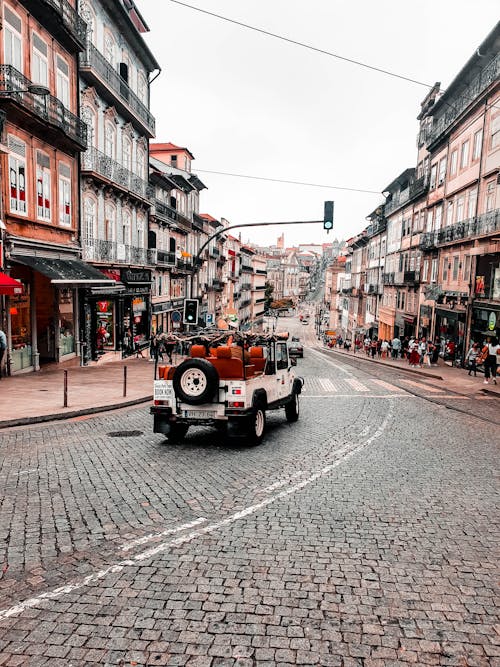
[(10, 286)]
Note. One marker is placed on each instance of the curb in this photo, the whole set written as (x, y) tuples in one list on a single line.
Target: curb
[(491, 392), (26, 421), (381, 363)]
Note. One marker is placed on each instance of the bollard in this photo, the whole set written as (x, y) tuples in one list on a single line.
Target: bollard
[(65, 403), (124, 380)]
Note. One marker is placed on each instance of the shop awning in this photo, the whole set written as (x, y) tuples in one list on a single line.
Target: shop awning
[(65, 272), (9, 286)]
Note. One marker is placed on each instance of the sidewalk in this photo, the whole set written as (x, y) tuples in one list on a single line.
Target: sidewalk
[(37, 397), (455, 379)]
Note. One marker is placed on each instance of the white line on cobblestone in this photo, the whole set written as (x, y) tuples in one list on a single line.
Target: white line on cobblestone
[(283, 482), (363, 396), (169, 531), (345, 453), (27, 472), (329, 361)]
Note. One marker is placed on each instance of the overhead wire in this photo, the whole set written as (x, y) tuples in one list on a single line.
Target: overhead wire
[(301, 44), (283, 180)]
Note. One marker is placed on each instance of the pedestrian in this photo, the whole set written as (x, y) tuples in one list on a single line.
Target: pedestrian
[(384, 348), (422, 349), (471, 358), (379, 347), (491, 352), (435, 352), (3, 350), (429, 352), (367, 343), (414, 355), (374, 347), (405, 347), (169, 349), (396, 347)]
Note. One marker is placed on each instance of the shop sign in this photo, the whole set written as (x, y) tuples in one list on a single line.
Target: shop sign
[(479, 285), (137, 290), (110, 273), (492, 321), (136, 275), (138, 305), (496, 284)]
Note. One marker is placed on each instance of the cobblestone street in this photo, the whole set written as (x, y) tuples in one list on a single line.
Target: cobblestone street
[(366, 534)]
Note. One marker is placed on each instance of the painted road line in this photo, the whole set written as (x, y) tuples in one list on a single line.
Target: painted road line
[(341, 456), (363, 396), (153, 536), (420, 385), (386, 385), (327, 385), (356, 384), (325, 358)]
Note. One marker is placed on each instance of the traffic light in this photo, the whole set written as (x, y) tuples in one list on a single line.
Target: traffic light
[(190, 311), (328, 217)]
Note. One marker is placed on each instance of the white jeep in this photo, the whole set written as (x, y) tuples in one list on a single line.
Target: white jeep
[(228, 387)]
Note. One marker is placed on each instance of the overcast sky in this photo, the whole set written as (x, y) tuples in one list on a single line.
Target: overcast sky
[(246, 103)]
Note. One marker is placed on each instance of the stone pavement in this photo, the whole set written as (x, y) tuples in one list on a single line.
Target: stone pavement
[(39, 396)]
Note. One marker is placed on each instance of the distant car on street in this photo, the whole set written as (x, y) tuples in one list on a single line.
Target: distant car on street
[(305, 320), (296, 349)]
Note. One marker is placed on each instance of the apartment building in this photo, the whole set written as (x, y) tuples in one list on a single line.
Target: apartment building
[(43, 137)]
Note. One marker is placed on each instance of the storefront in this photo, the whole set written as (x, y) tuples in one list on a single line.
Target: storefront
[(162, 319), (485, 321), (450, 324), (117, 319), (44, 318)]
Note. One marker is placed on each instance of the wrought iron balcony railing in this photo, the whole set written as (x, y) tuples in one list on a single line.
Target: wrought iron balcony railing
[(99, 163), (457, 104), (246, 267), (165, 258), (92, 59), (482, 225), (100, 250), (411, 277), (62, 20), (48, 109)]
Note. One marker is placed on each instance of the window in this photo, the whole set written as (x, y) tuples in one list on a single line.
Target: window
[(425, 270), (64, 195), (490, 196), (39, 63), (141, 162), (438, 218), (89, 117), (432, 184), (460, 209), (43, 186), (467, 259), (127, 153), (109, 48), (110, 222), (464, 155), (453, 163), (173, 160), (442, 171), (126, 225), (140, 232), (109, 140), (495, 131), (471, 207), (62, 82), (449, 213), (13, 40), (455, 267), (281, 356), (434, 270), (430, 215), (142, 88), (445, 269), (478, 141), (89, 218), (17, 175)]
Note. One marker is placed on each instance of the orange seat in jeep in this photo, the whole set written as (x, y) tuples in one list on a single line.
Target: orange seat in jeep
[(257, 358), (228, 367), (198, 351)]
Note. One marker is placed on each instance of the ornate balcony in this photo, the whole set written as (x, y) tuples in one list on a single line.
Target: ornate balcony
[(111, 252), (45, 115), (458, 103), (111, 86), (164, 258), (246, 267), (482, 225), (411, 277), (101, 165), (61, 20)]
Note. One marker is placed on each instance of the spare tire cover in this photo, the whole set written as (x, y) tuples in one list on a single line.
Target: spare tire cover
[(195, 381)]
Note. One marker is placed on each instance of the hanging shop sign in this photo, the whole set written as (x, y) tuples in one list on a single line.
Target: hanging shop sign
[(492, 321), (136, 276)]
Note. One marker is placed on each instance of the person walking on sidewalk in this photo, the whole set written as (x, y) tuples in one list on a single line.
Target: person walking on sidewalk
[(471, 358), (490, 364), (384, 348), (3, 349), (396, 347), (405, 347)]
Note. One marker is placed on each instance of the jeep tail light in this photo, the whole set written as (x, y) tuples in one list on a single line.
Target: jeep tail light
[(167, 403), (236, 404)]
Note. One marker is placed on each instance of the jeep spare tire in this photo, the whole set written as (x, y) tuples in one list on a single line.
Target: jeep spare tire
[(195, 381)]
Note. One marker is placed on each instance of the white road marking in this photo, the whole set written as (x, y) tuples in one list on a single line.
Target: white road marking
[(356, 384), (27, 472), (329, 361), (153, 536), (433, 390), (283, 482), (327, 384), (343, 455), (363, 396), (386, 385)]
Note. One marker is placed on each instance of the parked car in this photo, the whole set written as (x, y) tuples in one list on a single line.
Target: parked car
[(305, 320), (295, 349)]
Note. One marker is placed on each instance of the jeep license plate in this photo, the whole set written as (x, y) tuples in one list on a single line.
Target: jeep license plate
[(200, 414)]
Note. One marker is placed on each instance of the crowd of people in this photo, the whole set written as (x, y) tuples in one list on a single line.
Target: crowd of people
[(420, 351)]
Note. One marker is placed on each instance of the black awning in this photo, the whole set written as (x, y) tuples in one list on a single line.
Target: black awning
[(65, 272)]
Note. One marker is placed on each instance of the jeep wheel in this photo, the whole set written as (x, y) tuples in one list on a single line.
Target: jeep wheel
[(292, 409), (196, 381), (256, 425), (177, 432)]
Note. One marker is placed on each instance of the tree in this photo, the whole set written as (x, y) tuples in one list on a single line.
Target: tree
[(268, 295)]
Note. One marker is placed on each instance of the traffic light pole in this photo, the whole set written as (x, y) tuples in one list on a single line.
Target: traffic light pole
[(197, 262)]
